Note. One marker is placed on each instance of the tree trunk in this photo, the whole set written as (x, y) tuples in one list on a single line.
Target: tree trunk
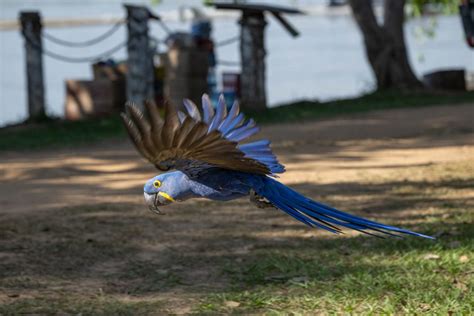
[(385, 44)]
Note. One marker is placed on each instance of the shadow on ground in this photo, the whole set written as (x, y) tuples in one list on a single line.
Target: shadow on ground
[(123, 249), (76, 237)]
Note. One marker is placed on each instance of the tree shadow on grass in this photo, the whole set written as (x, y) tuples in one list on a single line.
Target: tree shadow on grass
[(205, 246), (210, 247)]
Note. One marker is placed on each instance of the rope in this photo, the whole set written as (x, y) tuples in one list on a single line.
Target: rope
[(90, 42), (158, 40), (164, 27), (68, 59), (227, 41)]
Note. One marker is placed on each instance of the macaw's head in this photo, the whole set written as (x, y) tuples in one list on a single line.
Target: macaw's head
[(160, 190), (166, 188)]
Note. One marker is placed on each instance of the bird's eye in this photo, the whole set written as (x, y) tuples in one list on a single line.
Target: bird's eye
[(157, 183)]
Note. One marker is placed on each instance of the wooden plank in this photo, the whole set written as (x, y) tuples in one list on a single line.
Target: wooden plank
[(260, 7), (294, 32)]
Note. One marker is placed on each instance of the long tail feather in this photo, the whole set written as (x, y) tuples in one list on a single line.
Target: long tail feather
[(316, 214)]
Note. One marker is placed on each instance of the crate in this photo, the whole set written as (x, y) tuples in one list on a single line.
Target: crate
[(451, 79), (93, 98), (181, 63), (110, 72)]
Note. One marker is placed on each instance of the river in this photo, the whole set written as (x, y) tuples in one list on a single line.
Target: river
[(326, 62)]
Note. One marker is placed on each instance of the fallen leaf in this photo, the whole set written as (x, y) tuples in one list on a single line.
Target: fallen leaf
[(431, 256), (231, 304), (460, 285), (425, 307), (300, 279), (276, 277)]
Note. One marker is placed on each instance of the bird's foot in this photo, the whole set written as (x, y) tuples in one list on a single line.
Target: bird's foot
[(260, 201)]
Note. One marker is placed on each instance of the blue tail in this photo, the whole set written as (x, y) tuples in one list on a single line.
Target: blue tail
[(316, 214)]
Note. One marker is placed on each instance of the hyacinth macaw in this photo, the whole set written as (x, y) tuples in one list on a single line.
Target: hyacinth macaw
[(210, 161)]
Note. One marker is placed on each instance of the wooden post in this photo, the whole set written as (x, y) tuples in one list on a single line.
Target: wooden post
[(31, 31), (252, 51), (140, 72), (252, 47), (186, 72)]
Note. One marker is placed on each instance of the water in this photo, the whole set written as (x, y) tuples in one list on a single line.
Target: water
[(326, 62)]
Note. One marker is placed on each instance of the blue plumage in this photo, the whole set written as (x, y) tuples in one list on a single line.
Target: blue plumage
[(224, 185), (205, 143), (260, 151), (226, 124), (207, 109), (233, 124), (320, 215), (221, 112)]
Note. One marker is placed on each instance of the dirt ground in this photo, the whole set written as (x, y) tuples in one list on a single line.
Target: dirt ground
[(73, 220)]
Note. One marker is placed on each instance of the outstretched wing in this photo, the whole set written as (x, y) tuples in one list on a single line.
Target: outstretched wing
[(192, 142)]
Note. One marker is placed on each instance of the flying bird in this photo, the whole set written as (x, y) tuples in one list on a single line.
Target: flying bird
[(209, 160)]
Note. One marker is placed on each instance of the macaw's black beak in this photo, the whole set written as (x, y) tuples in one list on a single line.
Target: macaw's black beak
[(151, 201), (157, 199)]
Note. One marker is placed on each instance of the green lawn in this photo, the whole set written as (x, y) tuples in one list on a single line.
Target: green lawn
[(370, 276), (57, 133), (358, 275)]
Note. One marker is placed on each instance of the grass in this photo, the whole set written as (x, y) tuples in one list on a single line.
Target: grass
[(307, 110), (56, 133), (66, 305), (105, 259), (358, 276), (57, 273), (369, 276)]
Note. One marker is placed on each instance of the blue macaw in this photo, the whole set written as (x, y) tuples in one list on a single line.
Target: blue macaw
[(212, 162)]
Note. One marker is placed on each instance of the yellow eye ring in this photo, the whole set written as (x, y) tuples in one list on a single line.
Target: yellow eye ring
[(157, 183)]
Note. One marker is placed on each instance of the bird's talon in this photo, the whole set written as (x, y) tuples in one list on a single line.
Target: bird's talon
[(155, 210)]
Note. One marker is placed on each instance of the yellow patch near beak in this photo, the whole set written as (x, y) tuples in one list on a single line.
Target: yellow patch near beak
[(166, 196)]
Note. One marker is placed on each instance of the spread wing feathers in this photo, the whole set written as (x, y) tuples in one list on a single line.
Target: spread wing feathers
[(191, 142), (233, 127)]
